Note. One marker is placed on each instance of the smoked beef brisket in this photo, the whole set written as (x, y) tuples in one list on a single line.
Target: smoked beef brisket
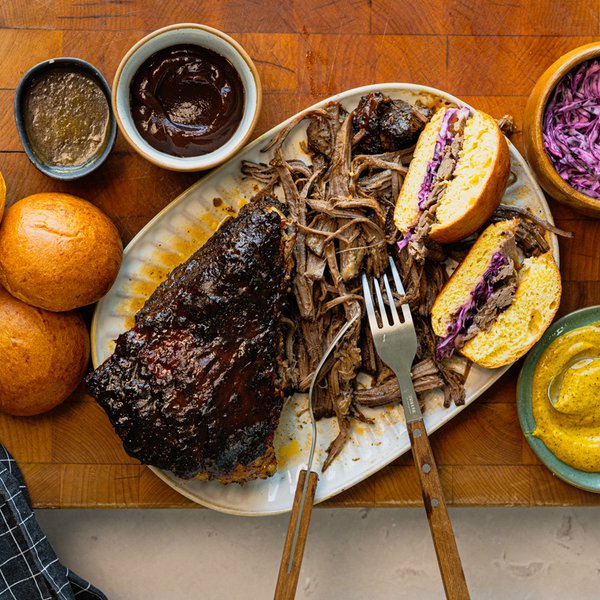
[(195, 386)]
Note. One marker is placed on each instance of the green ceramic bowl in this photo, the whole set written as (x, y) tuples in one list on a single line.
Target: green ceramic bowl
[(581, 479)]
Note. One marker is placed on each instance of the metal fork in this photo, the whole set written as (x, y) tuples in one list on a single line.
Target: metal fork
[(396, 343)]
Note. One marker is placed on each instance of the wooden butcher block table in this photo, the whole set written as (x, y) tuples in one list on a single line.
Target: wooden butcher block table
[(305, 50)]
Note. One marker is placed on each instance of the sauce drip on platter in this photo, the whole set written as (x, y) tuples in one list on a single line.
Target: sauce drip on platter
[(186, 100), (571, 428)]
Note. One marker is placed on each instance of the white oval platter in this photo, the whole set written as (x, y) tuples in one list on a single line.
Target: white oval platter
[(182, 227)]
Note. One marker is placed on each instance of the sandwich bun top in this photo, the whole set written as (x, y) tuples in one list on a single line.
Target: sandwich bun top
[(43, 356), (477, 184), (58, 252)]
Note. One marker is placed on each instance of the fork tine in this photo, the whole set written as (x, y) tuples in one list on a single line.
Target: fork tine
[(369, 304), (405, 308), (396, 276), (391, 301), (385, 321)]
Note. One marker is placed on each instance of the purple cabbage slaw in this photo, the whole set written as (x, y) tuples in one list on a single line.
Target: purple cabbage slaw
[(467, 312), (445, 137), (571, 128)]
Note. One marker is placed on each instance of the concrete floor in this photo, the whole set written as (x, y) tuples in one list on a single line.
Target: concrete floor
[(508, 554)]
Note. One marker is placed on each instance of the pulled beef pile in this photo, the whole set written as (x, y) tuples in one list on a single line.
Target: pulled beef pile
[(340, 205)]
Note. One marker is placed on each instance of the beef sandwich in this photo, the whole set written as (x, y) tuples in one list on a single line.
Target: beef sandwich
[(456, 178), (500, 300)]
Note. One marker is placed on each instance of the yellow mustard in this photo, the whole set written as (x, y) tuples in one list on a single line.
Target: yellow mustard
[(571, 428)]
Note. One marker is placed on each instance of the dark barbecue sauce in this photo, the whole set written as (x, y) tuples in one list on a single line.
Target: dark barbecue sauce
[(186, 100)]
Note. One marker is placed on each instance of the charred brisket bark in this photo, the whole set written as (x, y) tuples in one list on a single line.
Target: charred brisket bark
[(195, 386)]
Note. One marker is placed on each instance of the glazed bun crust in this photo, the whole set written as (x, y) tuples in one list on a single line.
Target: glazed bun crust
[(2, 196), (521, 325), (476, 188), (43, 356), (58, 252)]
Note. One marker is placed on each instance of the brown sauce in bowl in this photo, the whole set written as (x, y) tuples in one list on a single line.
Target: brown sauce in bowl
[(66, 117), (186, 100)]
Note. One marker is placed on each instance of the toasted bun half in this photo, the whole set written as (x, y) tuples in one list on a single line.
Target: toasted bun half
[(477, 185), (519, 327)]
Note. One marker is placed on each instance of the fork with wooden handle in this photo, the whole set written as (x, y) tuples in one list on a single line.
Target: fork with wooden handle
[(295, 540), (396, 343)]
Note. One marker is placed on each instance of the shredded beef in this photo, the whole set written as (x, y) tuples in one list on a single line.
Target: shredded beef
[(384, 125), (420, 245)]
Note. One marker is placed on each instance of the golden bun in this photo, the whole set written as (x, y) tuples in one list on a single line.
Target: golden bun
[(43, 356), (2, 195), (58, 252), (476, 187), (522, 324)]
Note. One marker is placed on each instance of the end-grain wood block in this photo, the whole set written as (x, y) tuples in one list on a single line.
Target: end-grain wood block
[(82, 434), (546, 488), (409, 17), (21, 49), (334, 16), (523, 17), (414, 59), (579, 255), (578, 294), (9, 138), (99, 486), (276, 58), (329, 64), (277, 107), (154, 492), (384, 487), (503, 392), (28, 439), (491, 485), (114, 44), (493, 435), (43, 484), (517, 62), (128, 188)]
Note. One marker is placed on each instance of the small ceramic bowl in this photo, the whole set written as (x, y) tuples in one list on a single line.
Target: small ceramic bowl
[(200, 35), (581, 479), (535, 153), (59, 172)]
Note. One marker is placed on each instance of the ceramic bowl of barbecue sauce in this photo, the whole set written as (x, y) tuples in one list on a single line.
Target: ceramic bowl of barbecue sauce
[(186, 97)]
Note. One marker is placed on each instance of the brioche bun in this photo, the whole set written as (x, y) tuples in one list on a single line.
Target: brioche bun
[(58, 252), (2, 196), (467, 275), (477, 184), (519, 327), (522, 324), (43, 356)]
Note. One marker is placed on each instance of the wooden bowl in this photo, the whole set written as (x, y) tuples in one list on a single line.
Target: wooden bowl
[(535, 153)]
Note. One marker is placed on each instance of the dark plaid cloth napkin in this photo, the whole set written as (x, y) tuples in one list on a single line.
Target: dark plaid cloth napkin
[(29, 569)]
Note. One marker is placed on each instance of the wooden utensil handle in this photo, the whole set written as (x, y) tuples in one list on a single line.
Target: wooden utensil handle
[(287, 581), (444, 542)]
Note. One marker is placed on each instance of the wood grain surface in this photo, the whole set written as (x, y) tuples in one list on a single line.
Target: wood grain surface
[(490, 54)]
